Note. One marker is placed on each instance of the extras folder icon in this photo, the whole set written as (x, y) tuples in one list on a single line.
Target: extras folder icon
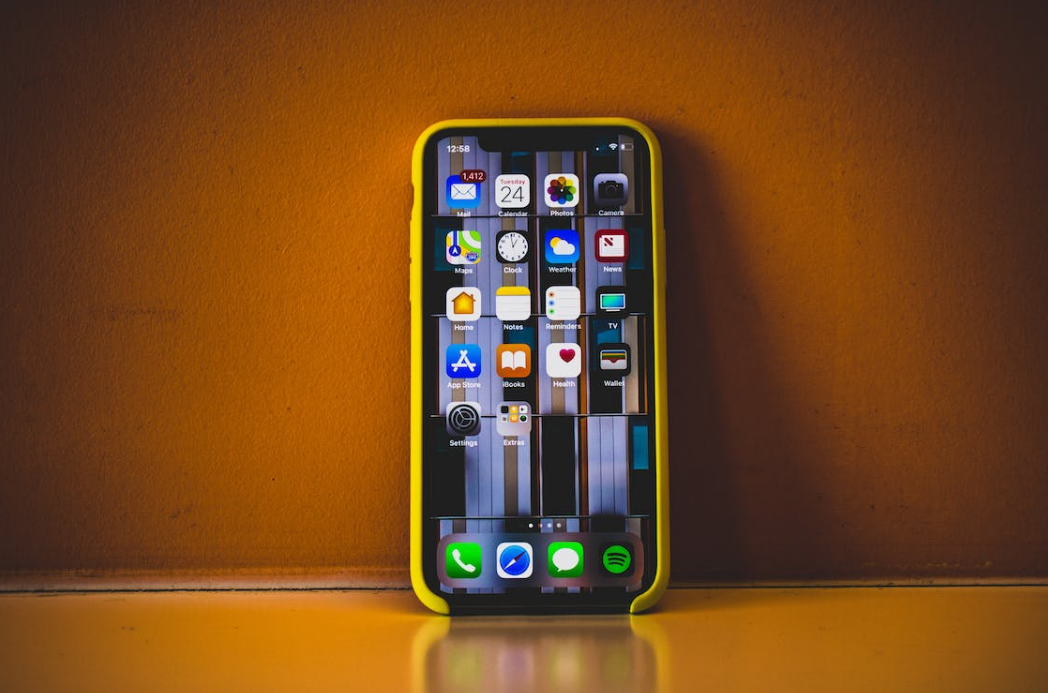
[(513, 360)]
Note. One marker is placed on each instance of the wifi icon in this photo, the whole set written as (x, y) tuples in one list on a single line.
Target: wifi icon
[(617, 559), (613, 146)]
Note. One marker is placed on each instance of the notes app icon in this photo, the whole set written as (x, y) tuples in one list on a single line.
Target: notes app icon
[(513, 360), (512, 303)]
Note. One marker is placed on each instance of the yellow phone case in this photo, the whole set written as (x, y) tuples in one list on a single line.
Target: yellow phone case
[(650, 596)]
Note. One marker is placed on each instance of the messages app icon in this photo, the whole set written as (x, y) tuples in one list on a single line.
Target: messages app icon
[(565, 559)]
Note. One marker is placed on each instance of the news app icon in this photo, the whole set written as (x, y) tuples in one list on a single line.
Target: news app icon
[(611, 245)]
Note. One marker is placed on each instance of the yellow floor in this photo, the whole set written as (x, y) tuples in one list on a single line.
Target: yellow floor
[(825, 639)]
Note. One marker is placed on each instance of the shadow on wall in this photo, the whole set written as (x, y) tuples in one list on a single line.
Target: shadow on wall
[(743, 496)]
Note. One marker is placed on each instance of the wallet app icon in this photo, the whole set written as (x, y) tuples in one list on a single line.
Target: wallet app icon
[(462, 195)]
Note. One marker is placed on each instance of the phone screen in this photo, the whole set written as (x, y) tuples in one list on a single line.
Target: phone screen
[(538, 374)]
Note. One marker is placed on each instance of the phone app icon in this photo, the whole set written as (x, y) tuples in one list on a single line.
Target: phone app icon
[(611, 300), (513, 360), (514, 419), (563, 303), (512, 191), (562, 246), (462, 560), (565, 559), (463, 418), (462, 247), (463, 303), (462, 361), (562, 190), (563, 360), (617, 559), (513, 303), (462, 195), (611, 189), (614, 359), (514, 559), (611, 245)]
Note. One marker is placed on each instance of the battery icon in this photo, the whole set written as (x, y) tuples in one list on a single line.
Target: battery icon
[(626, 146)]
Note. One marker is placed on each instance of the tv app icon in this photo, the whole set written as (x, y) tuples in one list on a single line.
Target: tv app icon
[(611, 300), (514, 559), (462, 560)]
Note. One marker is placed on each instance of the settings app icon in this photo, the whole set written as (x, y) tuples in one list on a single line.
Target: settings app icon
[(464, 418)]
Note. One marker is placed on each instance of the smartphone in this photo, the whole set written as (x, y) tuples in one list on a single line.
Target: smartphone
[(538, 399)]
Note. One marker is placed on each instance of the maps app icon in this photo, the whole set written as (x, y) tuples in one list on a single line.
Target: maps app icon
[(462, 247)]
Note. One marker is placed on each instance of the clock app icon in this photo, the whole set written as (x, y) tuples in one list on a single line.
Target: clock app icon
[(511, 246)]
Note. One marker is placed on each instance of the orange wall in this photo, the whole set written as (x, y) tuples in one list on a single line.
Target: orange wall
[(203, 274)]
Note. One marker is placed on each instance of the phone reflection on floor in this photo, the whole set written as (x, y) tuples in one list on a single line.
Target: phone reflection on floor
[(549, 654)]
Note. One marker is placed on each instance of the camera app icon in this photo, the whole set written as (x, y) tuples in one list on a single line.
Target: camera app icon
[(611, 189)]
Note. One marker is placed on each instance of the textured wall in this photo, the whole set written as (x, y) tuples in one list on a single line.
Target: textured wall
[(203, 274)]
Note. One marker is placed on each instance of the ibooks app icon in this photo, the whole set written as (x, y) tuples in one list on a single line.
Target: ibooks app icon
[(513, 360)]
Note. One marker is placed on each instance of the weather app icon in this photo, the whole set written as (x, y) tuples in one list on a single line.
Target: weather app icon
[(562, 246)]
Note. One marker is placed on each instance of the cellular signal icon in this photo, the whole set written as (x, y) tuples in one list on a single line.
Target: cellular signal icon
[(613, 146)]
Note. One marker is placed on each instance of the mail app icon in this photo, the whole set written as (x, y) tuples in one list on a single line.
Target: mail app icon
[(462, 195)]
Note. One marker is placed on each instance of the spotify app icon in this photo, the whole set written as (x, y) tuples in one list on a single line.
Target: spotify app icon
[(617, 559)]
